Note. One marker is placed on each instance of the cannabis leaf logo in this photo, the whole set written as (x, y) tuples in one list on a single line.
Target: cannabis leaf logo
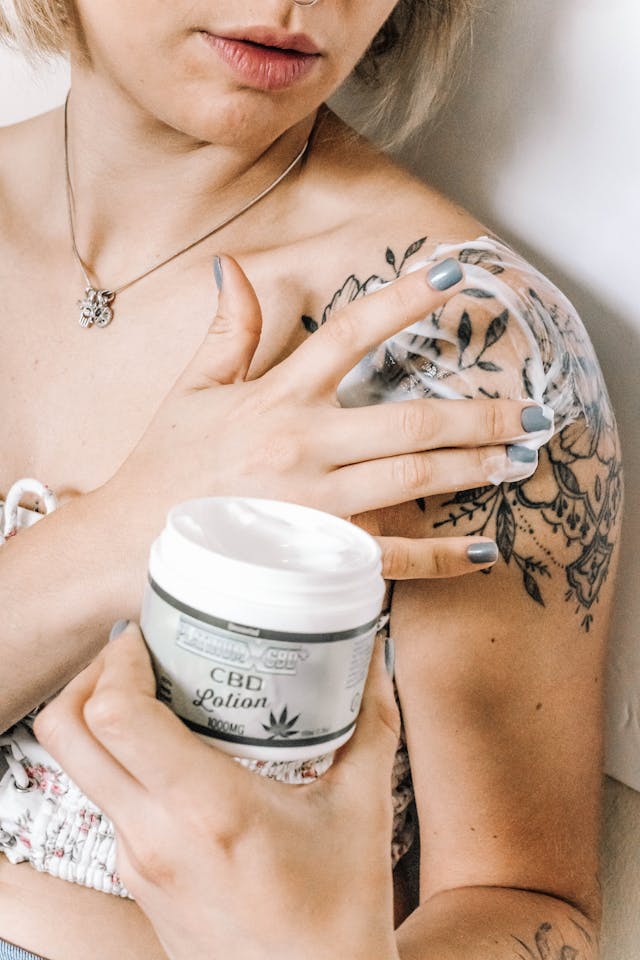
[(281, 728)]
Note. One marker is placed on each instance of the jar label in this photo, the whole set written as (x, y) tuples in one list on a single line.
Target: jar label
[(252, 686)]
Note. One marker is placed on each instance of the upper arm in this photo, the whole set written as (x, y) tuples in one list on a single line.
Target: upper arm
[(500, 676)]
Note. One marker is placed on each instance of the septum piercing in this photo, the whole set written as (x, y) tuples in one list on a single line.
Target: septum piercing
[(304, 3)]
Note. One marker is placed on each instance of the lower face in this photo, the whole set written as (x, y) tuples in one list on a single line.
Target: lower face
[(219, 70)]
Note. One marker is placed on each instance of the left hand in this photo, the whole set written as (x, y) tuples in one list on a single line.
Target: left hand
[(223, 862)]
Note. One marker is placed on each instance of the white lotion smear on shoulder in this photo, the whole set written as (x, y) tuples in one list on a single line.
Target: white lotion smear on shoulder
[(260, 617)]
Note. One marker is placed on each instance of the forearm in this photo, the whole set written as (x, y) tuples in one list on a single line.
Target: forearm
[(62, 583), (494, 923)]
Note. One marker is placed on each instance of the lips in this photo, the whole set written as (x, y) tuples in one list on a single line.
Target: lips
[(280, 39), (265, 59)]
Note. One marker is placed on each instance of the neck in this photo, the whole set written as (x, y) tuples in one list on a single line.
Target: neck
[(143, 190)]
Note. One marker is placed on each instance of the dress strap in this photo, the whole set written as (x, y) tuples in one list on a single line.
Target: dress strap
[(13, 757)]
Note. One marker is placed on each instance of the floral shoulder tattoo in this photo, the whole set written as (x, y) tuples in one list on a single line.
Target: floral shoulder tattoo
[(563, 521)]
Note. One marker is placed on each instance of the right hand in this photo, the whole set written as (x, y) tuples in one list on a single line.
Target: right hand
[(294, 854), (282, 436)]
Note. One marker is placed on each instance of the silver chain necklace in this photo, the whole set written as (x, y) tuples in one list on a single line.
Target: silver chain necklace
[(96, 308)]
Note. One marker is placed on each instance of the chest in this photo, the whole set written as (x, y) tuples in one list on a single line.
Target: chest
[(73, 401)]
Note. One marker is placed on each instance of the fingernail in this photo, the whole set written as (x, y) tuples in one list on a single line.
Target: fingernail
[(118, 627), (483, 552), (389, 655), (520, 454), (217, 272), (445, 274), (534, 419)]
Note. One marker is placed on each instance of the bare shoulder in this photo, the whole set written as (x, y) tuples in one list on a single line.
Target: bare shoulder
[(14, 142), (510, 333), (9, 157), (372, 190), (363, 207), (26, 149)]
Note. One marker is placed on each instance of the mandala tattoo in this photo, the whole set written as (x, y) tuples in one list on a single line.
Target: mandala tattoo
[(577, 490), (548, 944)]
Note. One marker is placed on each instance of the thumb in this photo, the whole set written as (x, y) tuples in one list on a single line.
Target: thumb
[(370, 753), (231, 341)]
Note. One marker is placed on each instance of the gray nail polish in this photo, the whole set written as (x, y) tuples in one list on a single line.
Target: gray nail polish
[(483, 552), (519, 454), (390, 655), (217, 272), (533, 419), (118, 627), (445, 274)]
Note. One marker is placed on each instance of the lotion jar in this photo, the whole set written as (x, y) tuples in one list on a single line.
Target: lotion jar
[(260, 617)]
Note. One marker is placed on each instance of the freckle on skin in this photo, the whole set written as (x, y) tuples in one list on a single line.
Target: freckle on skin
[(493, 639), (538, 706)]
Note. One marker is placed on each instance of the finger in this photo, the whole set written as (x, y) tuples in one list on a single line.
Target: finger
[(351, 333), (384, 483), (231, 341), (435, 558), (61, 728), (367, 758), (365, 433), (142, 734)]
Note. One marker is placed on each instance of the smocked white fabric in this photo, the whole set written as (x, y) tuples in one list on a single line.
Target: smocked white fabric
[(47, 821)]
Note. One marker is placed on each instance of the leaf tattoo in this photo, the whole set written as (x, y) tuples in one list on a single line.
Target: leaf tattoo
[(464, 333), (496, 329), (505, 530), (549, 944)]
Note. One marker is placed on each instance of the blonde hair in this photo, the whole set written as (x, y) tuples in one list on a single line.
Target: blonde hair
[(411, 67), (403, 78), (37, 26)]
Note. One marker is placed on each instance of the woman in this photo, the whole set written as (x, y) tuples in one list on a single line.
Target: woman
[(179, 116)]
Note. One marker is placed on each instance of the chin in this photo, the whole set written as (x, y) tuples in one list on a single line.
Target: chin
[(229, 121), (217, 112)]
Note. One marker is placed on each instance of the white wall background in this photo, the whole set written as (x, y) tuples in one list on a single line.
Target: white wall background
[(542, 143)]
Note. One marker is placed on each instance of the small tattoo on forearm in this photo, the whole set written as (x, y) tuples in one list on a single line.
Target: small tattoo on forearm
[(548, 944)]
